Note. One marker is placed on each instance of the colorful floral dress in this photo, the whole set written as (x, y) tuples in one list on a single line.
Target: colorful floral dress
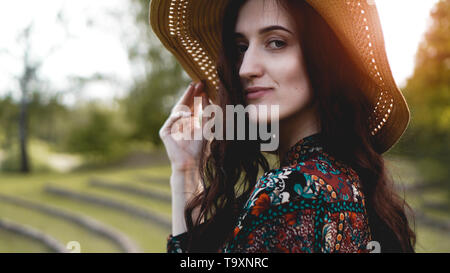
[(313, 203)]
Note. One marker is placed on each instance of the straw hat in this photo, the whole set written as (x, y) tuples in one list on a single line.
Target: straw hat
[(191, 30)]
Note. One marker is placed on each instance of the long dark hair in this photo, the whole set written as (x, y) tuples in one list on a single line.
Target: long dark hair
[(229, 172)]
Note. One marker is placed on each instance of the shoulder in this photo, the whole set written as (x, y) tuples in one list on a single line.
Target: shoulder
[(338, 181), (320, 177)]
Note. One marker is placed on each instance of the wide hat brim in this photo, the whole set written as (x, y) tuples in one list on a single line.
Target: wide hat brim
[(191, 30)]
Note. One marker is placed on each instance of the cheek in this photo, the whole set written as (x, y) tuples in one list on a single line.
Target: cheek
[(294, 88)]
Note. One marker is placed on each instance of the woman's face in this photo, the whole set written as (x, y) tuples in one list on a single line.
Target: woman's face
[(271, 59)]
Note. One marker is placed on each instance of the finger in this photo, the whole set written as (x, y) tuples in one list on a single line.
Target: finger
[(204, 105), (167, 127), (188, 94), (205, 100), (198, 91), (185, 99), (198, 104), (182, 126)]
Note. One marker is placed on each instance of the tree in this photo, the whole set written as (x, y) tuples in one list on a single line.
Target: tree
[(428, 90), (28, 75), (28, 81), (149, 101)]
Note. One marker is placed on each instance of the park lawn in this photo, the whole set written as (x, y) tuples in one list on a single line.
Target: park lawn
[(156, 206), (18, 186), (62, 230), (15, 243), (430, 240), (407, 173), (402, 171), (150, 237), (435, 196), (136, 182), (12, 180)]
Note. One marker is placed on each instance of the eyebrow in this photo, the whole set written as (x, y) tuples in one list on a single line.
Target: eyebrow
[(265, 30)]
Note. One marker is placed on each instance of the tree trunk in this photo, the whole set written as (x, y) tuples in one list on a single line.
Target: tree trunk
[(24, 164)]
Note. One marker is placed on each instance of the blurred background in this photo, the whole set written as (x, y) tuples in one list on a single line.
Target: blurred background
[(85, 87)]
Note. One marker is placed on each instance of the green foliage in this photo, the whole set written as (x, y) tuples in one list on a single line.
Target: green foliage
[(145, 105), (428, 91), (95, 134), (39, 151), (11, 160), (47, 119), (9, 112), (149, 101)]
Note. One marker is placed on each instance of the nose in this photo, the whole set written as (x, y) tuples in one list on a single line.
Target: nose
[(251, 65)]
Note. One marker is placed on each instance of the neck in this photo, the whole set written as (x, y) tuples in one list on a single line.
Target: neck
[(295, 127)]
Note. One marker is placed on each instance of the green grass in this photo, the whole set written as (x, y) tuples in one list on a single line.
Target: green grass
[(407, 172), (62, 230), (403, 172), (14, 243), (429, 240), (160, 188), (155, 206), (150, 237)]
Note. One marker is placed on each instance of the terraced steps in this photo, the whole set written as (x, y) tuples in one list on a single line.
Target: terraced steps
[(160, 220), (119, 238), (57, 227), (149, 236), (11, 242), (121, 187), (154, 180), (32, 233)]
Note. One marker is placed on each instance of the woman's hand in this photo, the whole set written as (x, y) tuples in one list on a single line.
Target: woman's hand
[(184, 154)]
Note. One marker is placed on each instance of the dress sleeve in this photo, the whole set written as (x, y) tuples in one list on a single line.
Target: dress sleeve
[(304, 226), (177, 244)]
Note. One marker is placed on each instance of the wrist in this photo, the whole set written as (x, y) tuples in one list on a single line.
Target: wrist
[(186, 168), (186, 182)]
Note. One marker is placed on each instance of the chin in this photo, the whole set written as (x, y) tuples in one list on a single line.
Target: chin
[(263, 117), (264, 111)]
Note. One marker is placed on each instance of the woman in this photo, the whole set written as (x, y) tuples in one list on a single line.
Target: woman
[(324, 64)]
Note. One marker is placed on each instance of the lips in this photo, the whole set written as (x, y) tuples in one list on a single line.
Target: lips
[(257, 92)]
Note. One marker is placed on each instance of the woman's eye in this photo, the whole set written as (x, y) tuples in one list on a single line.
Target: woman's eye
[(277, 44), (274, 44), (241, 48)]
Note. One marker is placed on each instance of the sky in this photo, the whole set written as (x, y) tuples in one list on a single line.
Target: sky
[(404, 23), (89, 40)]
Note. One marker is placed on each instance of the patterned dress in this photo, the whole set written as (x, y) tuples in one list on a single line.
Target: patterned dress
[(313, 203)]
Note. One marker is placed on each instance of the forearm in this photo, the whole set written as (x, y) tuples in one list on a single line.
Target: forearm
[(185, 185)]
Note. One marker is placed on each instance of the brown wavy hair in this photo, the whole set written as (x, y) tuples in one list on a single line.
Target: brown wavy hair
[(230, 170)]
